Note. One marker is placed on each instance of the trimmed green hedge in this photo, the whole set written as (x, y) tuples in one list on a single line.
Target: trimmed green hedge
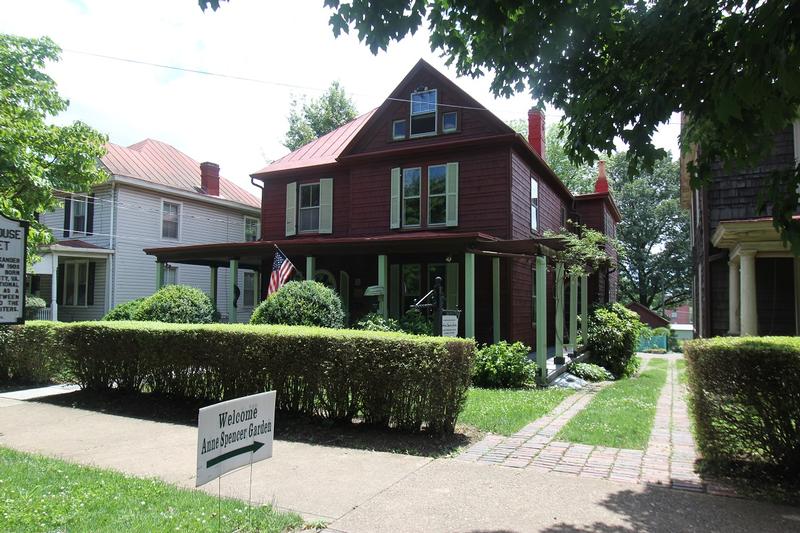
[(28, 354), (745, 396), (387, 379)]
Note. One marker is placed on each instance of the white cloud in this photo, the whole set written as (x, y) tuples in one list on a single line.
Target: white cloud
[(237, 124)]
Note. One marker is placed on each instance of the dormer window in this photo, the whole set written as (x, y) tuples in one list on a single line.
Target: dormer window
[(423, 113), (398, 130)]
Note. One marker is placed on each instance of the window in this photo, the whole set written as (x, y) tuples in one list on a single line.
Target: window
[(437, 194), (252, 229), (309, 207), (170, 275), (249, 295), (534, 204), (170, 220), (450, 122), (411, 196), (423, 113), (411, 275), (78, 223), (76, 283), (399, 129)]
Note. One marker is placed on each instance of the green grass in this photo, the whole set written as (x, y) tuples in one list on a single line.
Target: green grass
[(506, 411), (681, 366), (42, 494), (621, 415)]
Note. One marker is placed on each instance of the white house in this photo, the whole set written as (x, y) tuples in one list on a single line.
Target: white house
[(155, 196)]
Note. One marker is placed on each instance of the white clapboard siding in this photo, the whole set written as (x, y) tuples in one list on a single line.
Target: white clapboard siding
[(102, 220)]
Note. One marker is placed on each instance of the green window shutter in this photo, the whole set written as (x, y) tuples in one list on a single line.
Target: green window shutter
[(394, 221), (326, 205), (452, 194), (291, 208), (394, 291), (451, 286)]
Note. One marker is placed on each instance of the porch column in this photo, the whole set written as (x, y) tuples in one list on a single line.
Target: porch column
[(559, 351), (584, 309), (541, 319), (747, 293), (159, 275), (311, 266), (469, 295), (383, 268), (496, 299), (54, 288), (573, 314), (233, 278), (214, 287), (733, 297)]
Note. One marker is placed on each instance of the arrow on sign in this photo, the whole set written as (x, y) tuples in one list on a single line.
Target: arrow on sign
[(233, 453)]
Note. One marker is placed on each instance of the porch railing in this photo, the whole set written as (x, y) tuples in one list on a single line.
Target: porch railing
[(46, 313)]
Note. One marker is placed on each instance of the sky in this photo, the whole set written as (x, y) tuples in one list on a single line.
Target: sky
[(237, 124)]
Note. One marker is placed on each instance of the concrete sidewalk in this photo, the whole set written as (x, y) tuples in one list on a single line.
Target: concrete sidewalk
[(363, 491)]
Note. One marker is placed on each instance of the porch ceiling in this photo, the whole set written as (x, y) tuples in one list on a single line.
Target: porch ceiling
[(731, 233)]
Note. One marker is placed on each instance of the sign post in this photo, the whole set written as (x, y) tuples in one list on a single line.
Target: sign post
[(13, 241), (234, 433)]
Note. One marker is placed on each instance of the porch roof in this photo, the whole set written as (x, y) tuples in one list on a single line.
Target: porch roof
[(250, 254)]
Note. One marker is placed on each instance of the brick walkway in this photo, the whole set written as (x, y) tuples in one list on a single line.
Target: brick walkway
[(667, 461)]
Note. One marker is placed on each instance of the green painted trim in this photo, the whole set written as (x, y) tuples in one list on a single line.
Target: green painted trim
[(573, 313), (584, 308), (496, 299), (233, 279), (383, 274), (214, 277), (159, 275), (559, 309), (469, 295), (541, 319), (311, 267)]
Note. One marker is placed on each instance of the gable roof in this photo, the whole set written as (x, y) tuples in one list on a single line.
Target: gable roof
[(648, 316), (159, 163)]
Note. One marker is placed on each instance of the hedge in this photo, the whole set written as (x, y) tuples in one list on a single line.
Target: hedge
[(386, 379), (745, 396), (28, 353)]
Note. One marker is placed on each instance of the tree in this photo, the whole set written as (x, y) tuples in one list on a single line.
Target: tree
[(314, 119), (655, 266), (38, 158)]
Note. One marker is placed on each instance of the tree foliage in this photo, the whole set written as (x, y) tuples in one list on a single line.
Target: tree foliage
[(37, 157), (586, 250), (311, 120)]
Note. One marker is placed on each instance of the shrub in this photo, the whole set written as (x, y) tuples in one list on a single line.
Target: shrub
[(125, 311), (655, 350), (589, 372), (613, 337), (376, 322), (416, 323), (32, 306), (301, 303), (387, 379), (745, 397), (178, 304), (503, 365), (30, 353)]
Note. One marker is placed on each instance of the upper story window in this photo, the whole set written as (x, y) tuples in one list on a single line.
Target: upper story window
[(399, 129), (423, 112), (534, 204), (309, 207), (170, 220), (412, 188), (450, 122), (252, 229), (437, 194), (79, 218)]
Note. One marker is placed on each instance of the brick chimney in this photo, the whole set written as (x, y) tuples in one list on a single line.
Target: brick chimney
[(601, 185), (536, 130), (209, 178)]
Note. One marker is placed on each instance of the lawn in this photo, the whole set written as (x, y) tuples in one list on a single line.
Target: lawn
[(42, 494), (681, 366), (621, 415), (506, 411)]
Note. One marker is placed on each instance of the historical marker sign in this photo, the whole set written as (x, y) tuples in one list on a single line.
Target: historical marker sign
[(450, 325), (234, 433), (13, 236)]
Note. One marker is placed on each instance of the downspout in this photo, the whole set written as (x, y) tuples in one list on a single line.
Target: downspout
[(110, 266)]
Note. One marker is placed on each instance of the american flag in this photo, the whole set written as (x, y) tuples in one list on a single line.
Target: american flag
[(281, 270)]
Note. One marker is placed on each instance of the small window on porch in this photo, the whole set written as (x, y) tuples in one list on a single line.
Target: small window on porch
[(249, 293), (76, 284), (411, 275)]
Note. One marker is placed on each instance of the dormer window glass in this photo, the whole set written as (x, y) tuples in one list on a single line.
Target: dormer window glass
[(449, 122), (399, 129), (423, 112)]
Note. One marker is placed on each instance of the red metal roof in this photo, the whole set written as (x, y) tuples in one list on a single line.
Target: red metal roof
[(160, 163), (322, 151)]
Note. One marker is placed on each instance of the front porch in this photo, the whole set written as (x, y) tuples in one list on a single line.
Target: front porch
[(504, 290)]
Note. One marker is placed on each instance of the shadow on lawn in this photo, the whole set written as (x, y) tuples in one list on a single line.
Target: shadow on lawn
[(288, 427)]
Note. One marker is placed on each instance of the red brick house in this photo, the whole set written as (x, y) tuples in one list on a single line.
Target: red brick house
[(428, 184)]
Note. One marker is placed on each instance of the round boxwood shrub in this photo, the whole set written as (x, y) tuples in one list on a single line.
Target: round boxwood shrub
[(32, 306), (613, 337), (125, 311), (503, 365), (301, 303), (178, 304)]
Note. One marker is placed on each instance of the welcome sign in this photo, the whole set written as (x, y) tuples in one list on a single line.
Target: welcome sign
[(233, 434), (13, 237)]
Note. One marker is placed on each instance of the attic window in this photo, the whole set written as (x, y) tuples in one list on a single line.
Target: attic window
[(423, 112), (399, 129)]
